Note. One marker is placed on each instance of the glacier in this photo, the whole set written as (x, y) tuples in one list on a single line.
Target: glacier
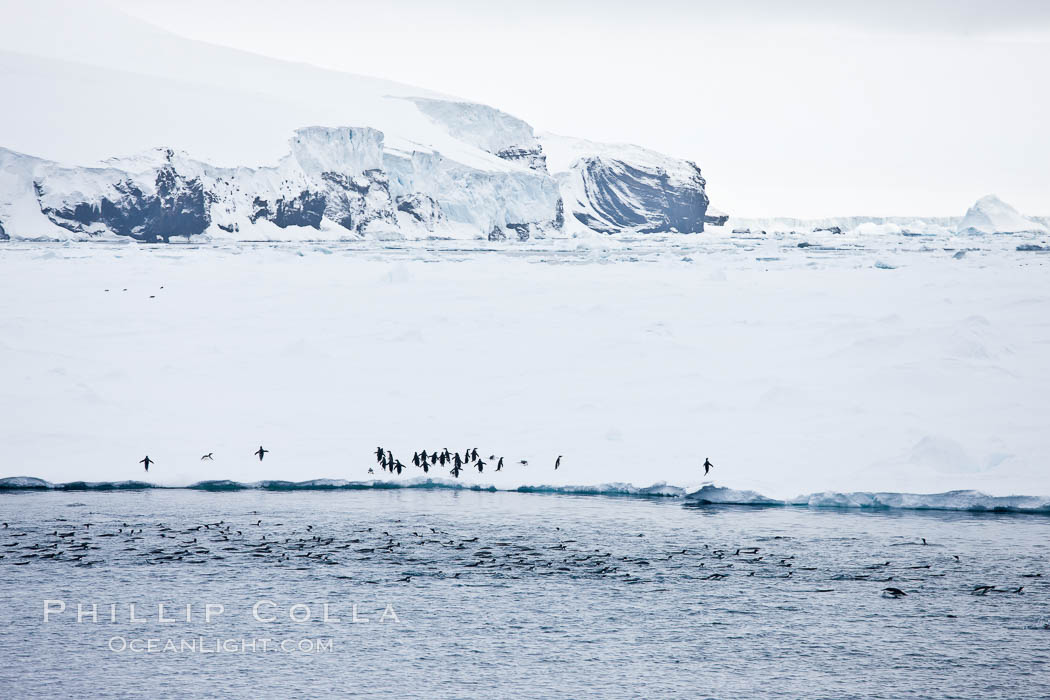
[(346, 183), (198, 157)]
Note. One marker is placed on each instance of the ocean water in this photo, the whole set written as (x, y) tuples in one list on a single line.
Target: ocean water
[(497, 594)]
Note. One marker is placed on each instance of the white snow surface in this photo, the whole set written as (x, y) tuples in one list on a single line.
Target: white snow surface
[(795, 370)]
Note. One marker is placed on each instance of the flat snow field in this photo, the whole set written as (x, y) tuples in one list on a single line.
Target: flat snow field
[(811, 371)]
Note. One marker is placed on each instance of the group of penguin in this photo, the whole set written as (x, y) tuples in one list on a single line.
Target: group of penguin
[(260, 453), (425, 460)]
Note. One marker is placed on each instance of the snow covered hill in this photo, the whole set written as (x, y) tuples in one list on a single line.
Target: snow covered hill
[(125, 131)]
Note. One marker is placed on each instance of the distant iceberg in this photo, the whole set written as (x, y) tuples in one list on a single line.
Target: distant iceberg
[(992, 215)]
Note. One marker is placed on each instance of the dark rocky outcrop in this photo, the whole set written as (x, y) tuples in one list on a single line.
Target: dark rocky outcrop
[(422, 209), (531, 157), (828, 229), (497, 234), (355, 202), (716, 219), (305, 209), (3, 233), (621, 196), (522, 230), (179, 207)]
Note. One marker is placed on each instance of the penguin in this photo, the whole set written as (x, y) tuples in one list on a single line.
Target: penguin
[(707, 465), (261, 452), (557, 463), (146, 461)]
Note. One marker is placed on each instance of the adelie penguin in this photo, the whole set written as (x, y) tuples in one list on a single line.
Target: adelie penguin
[(707, 465), (146, 461), (261, 452), (557, 463)]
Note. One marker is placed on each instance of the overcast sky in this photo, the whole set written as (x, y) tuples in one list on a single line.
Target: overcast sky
[(805, 108)]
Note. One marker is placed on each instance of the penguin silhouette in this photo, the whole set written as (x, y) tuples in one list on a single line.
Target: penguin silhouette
[(707, 465), (261, 452), (147, 461), (557, 462)]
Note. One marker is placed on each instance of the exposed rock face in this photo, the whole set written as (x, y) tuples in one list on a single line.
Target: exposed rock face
[(497, 234), (611, 188), (305, 209), (522, 231), (3, 234), (174, 206), (621, 196), (531, 157), (835, 230), (422, 209), (715, 218)]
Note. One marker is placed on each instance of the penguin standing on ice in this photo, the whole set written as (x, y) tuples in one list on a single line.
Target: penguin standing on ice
[(499, 465), (261, 452), (557, 463), (147, 461), (707, 465)]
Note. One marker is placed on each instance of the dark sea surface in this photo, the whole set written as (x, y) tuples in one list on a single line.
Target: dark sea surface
[(499, 595)]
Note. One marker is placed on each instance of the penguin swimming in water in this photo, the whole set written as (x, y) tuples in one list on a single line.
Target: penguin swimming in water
[(208, 457), (261, 452), (707, 465), (147, 461)]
